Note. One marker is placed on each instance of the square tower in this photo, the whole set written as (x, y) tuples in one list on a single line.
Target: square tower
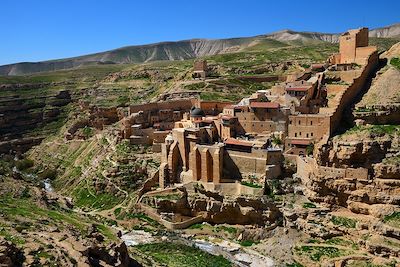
[(349, 42)]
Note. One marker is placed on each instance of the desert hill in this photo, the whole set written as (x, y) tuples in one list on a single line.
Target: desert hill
[(187, 49)]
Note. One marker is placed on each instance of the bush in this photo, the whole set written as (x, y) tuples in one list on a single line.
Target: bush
[(310, 149), (343, 221), (88, 132), (395, 62), (247, 243), (24, 164), (309, 205), (251, 184), (48, 174)]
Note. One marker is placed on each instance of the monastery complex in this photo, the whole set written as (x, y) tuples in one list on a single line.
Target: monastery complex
[(226, 147)]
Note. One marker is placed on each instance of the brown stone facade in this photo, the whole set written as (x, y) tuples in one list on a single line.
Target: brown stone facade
[(200, 69), (353, 47)]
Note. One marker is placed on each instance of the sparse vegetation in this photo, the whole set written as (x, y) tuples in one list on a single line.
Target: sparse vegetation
[(247, 243), (316, 253), (309, 205), (179, 255), (250, 184), (393, 219), (343, 221), (395, 62), (85, 197), (374, 129)]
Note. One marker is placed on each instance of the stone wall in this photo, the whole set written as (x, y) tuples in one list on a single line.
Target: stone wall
[(181, 104), (353, 90), (152, 213), (212, 107), (305, 166)]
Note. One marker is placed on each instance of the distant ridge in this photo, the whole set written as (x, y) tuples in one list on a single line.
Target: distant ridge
[(182, 50)]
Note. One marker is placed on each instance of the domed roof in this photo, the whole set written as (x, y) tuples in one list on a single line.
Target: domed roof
[(197, 112)]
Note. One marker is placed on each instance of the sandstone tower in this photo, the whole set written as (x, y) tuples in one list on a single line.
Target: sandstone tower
[(353, 47), (200, 69)]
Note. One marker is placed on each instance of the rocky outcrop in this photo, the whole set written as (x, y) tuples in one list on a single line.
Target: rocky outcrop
[(361, 147), (218, 209), (111, 255), (10, 254)]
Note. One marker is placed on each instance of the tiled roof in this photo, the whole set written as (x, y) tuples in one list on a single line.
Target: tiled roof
[(236, 142), (303, 142), (227, 117), (264, 105)]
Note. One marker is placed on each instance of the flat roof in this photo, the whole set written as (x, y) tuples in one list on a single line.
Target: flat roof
[(271, 105), (298, 88)]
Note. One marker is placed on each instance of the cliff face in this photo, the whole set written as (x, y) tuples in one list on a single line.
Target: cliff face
[(375, 148), (21, 117), (359, 149), (385, 32)]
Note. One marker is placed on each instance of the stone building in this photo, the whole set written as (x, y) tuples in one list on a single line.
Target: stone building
[(151, 123), (200, 69), (353, 48), (196, 152), (317, 124)]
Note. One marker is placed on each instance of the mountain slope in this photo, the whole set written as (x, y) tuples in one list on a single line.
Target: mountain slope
[(391, 31), (186, 49)]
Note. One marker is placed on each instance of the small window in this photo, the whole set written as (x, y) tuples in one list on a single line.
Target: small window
[(310, 122), (295, 134), (300, 133), (299, 122), (312, 134), (290, 122), (307, 135)]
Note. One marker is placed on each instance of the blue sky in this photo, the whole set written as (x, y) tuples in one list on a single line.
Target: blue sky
[(49, 29)]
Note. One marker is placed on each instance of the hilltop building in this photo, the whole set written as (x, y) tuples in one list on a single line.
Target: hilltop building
[(353, 48), (200, 69)]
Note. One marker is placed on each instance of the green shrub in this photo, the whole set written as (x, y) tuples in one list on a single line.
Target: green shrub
[(395, 62), (48, 174), (117, 211), (249, 184), (247, 243), (24, 164), (310, 149), (309, 205), (295, 264), (88, 132), (315, 253), (393, 219), (196, 226), (343, 221)]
